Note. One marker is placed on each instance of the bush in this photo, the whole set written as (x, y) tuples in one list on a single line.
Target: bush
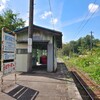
[(90, 64)]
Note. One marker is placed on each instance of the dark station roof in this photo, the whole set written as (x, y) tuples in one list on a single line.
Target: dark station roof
[(56, 34)]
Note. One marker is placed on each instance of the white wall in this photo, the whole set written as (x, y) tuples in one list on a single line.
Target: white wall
[(55, 55), (21, 59), (42, 37), (22, 37), (21, 62), (36, 37), (50, 58), (22, 45)]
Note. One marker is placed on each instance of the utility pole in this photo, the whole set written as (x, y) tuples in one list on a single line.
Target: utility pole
[(91, 42), (30, 32)]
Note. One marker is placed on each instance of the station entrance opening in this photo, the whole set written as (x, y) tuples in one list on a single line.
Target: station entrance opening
[(39, 55)]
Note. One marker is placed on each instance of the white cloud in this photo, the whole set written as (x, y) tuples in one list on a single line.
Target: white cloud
[(2, 7), (93, 7), (54, 21), (45, 14), (4, 1), (25, 17), (27, 23), (3, 4)]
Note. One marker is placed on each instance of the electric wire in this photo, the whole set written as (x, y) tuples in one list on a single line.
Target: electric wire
[(87, 18), (87, 14), (51, 14)]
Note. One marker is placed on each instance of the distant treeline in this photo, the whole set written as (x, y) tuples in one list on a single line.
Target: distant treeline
[(81, 46)]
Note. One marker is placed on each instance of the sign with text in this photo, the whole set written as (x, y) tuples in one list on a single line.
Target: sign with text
[(8, 68), (8, 56), (8, 52), (9, 42)]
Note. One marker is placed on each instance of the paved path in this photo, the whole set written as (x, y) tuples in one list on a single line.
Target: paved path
[(41, 85)]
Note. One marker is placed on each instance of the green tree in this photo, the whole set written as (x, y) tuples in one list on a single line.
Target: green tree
[(73, 46), (81, 46), (96, 43), (66, 49), (11, 21)]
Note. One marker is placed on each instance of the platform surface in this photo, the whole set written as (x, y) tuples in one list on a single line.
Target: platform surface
[(41, 85)]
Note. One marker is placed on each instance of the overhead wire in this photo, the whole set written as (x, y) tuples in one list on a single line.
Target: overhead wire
[(87, 14), (87, 18), (51, 14)]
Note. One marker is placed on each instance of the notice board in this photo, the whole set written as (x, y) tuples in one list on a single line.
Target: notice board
[(8, 52)]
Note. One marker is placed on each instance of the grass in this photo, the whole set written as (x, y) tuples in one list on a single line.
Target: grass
[(90, 64)]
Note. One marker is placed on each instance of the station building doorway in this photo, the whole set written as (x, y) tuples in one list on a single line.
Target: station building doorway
[(39, 56)]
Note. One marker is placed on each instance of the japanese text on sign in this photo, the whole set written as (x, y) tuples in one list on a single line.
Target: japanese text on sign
[(8, 56), (9, 42), (8, 52), (8, 68)]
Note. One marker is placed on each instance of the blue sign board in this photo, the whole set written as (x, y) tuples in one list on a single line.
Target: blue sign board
[(7, 56), (9, 42)]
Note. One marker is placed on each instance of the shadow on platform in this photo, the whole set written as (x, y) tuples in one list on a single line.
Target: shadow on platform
[(61, 73)]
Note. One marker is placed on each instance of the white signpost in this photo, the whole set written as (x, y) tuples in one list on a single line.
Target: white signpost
[(29, 45), (8, 54)]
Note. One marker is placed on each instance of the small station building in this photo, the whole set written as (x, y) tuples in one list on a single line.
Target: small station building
[(44, 46)]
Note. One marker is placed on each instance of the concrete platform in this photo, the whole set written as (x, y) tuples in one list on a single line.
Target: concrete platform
[(41, 85)]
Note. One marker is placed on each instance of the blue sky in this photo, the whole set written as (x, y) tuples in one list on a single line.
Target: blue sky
[(74, 18)]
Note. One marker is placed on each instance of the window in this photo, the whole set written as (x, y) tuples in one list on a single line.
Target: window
[(21, 51)]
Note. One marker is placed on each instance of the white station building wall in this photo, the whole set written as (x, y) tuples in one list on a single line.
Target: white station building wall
[(21, 58), (55, 55)]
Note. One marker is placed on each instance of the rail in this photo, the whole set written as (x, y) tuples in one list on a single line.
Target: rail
[(90, 96)]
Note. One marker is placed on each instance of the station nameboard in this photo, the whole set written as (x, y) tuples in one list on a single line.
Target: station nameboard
[(8, 52)]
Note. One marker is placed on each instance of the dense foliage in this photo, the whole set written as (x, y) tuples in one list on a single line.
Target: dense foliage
[(10, 20), (79, 47), (87, 63), (80, 54)]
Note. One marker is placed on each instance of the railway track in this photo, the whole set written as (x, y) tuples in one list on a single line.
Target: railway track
[(88, 89)]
